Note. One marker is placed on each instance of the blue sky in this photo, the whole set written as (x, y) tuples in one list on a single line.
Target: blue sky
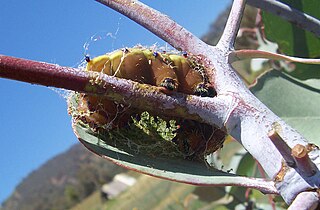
[(34, 123)]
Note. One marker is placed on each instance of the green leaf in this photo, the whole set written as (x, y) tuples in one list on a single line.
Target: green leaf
[(295, 101), (306, 71), (247, 166), (293, 40), (172, 168)]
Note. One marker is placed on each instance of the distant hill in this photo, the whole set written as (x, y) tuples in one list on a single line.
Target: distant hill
[(62, 182), (157, 194), (216, 28)]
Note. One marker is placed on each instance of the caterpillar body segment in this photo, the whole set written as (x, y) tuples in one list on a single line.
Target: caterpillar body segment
[(161, 72), (128, 65), (191, 80), (188, 78), (98, 64), (83, 108)]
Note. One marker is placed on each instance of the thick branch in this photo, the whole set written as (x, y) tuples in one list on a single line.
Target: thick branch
[(290, 14), (43, 73)]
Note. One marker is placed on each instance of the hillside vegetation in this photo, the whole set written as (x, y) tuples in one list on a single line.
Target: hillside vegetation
[(62, 182)]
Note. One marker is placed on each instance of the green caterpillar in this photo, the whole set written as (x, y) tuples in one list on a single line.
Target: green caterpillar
[(172, 72)]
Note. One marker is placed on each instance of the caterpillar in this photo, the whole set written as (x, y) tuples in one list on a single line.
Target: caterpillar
[(173, 72)]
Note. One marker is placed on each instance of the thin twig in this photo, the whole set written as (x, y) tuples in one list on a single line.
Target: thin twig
[(290, 14), (229, 34), (249, 54)]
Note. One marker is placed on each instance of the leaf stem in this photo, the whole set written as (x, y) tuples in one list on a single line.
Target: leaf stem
[(248, 54)]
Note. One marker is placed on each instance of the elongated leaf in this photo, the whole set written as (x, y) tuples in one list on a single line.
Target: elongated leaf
[(295, 101), (291, 39)]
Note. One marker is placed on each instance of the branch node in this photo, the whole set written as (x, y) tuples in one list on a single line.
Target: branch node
[(303, 161)]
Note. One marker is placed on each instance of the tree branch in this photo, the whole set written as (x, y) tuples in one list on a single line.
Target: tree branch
[(290, 14), (142, 96), (229, 34), (43, 73), (305, 201), (158, 23)]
